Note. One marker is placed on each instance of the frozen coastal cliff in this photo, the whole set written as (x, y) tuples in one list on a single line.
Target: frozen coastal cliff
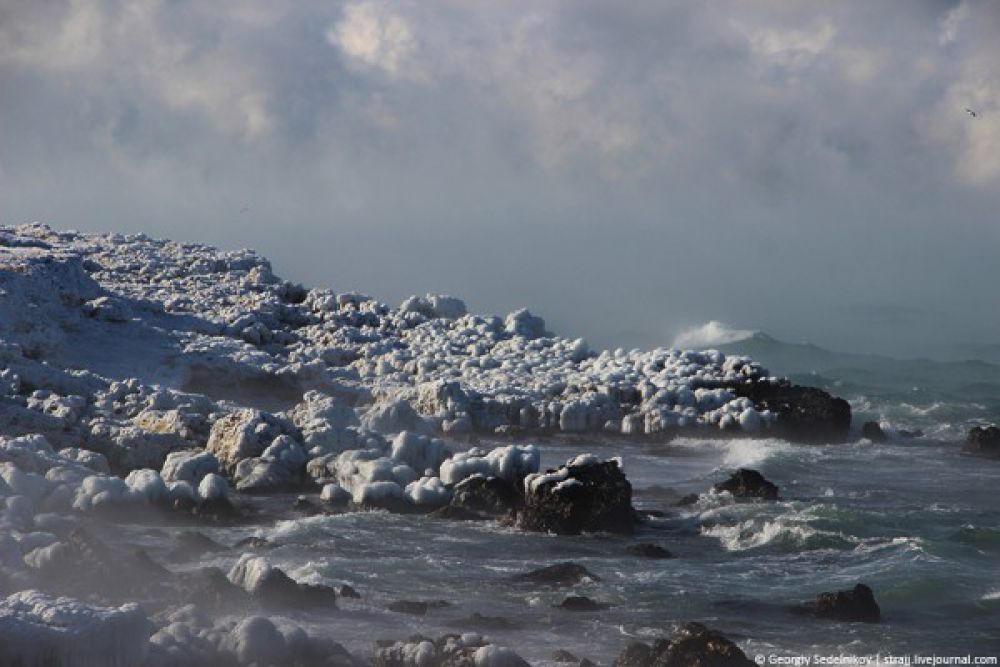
[(143, 373)]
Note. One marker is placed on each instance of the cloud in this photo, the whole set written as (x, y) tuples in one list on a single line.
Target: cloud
[(617, 167)]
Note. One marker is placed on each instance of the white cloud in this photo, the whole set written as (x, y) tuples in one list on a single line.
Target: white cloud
[(373, 35)]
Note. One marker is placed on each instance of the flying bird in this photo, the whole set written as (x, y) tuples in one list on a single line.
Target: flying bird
[(970, 112), (244, 210)]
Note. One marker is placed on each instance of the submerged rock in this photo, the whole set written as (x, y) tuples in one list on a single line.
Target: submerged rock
[(581, 603), (984, 440), (694, 645), (857, 604), (560, 574), (585, 495), (745, 483), (646, 550)]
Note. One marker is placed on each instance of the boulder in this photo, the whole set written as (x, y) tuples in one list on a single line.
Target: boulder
[(746, 483), (873, 431), (694, 645), (805, 414), (646, 550), (984, 440), (448, 651), (585, 495), (560, 574), (581, 603), (276, 589), (856, 605), (489, 495)]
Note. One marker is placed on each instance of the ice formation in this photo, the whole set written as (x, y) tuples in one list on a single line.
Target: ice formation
[(138, 374)]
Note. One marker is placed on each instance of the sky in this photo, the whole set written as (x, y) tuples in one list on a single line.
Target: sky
[(629, 171)]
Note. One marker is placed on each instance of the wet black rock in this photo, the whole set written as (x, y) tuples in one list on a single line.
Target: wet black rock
[(581, 603), (856, 605), (560, 574), (804, 414), (590, 497), (693, 646), (873, 431), (984, 440), (347, 591), (646, 550), (746, 483), (414, 607), (487, 495), (277, 590)]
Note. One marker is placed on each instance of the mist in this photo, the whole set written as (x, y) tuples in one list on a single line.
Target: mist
[(627, 172)]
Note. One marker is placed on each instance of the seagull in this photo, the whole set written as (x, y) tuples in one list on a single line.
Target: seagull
[(245, 209), (970, 112)]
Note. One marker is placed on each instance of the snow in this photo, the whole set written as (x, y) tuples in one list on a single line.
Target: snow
[(37, 629)]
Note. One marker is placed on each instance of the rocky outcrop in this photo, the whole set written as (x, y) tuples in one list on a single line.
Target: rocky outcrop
[(802, 413), (646, 550), (585, 495), (245, 434), (873, 431), (276, 589), (984, 440), (694, 645), (856, 605), (746, 483)]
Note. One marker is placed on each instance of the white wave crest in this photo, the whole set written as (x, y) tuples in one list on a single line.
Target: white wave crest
[(710, 334)]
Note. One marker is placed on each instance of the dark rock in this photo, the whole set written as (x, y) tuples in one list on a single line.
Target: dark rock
[(693, 646), (804, 414), (453, 513), (984, 440), (413, 607), (873, 431), (587, 663), (347, 591), (746, 483), (635, 654), (487, 495), (277, 590), (857, 605), (564, 656), (646, 550), (561, 574), (480, 622), (688, 500), (916, 433), (581, 603), (601, 501)]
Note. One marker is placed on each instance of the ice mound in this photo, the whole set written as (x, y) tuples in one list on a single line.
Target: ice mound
[(39, 630)]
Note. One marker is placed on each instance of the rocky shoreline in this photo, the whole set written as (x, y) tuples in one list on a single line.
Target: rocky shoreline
[(147, 376)]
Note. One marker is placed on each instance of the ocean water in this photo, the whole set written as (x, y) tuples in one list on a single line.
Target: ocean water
[(916, 519)]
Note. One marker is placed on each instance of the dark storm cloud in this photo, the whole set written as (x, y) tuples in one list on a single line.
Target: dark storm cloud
[(625, 170)]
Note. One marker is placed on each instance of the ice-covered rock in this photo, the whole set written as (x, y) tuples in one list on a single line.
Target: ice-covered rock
[(511, 462), (190, 465), (586, 494), (244, 434), (273, 587), (39, 630)]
